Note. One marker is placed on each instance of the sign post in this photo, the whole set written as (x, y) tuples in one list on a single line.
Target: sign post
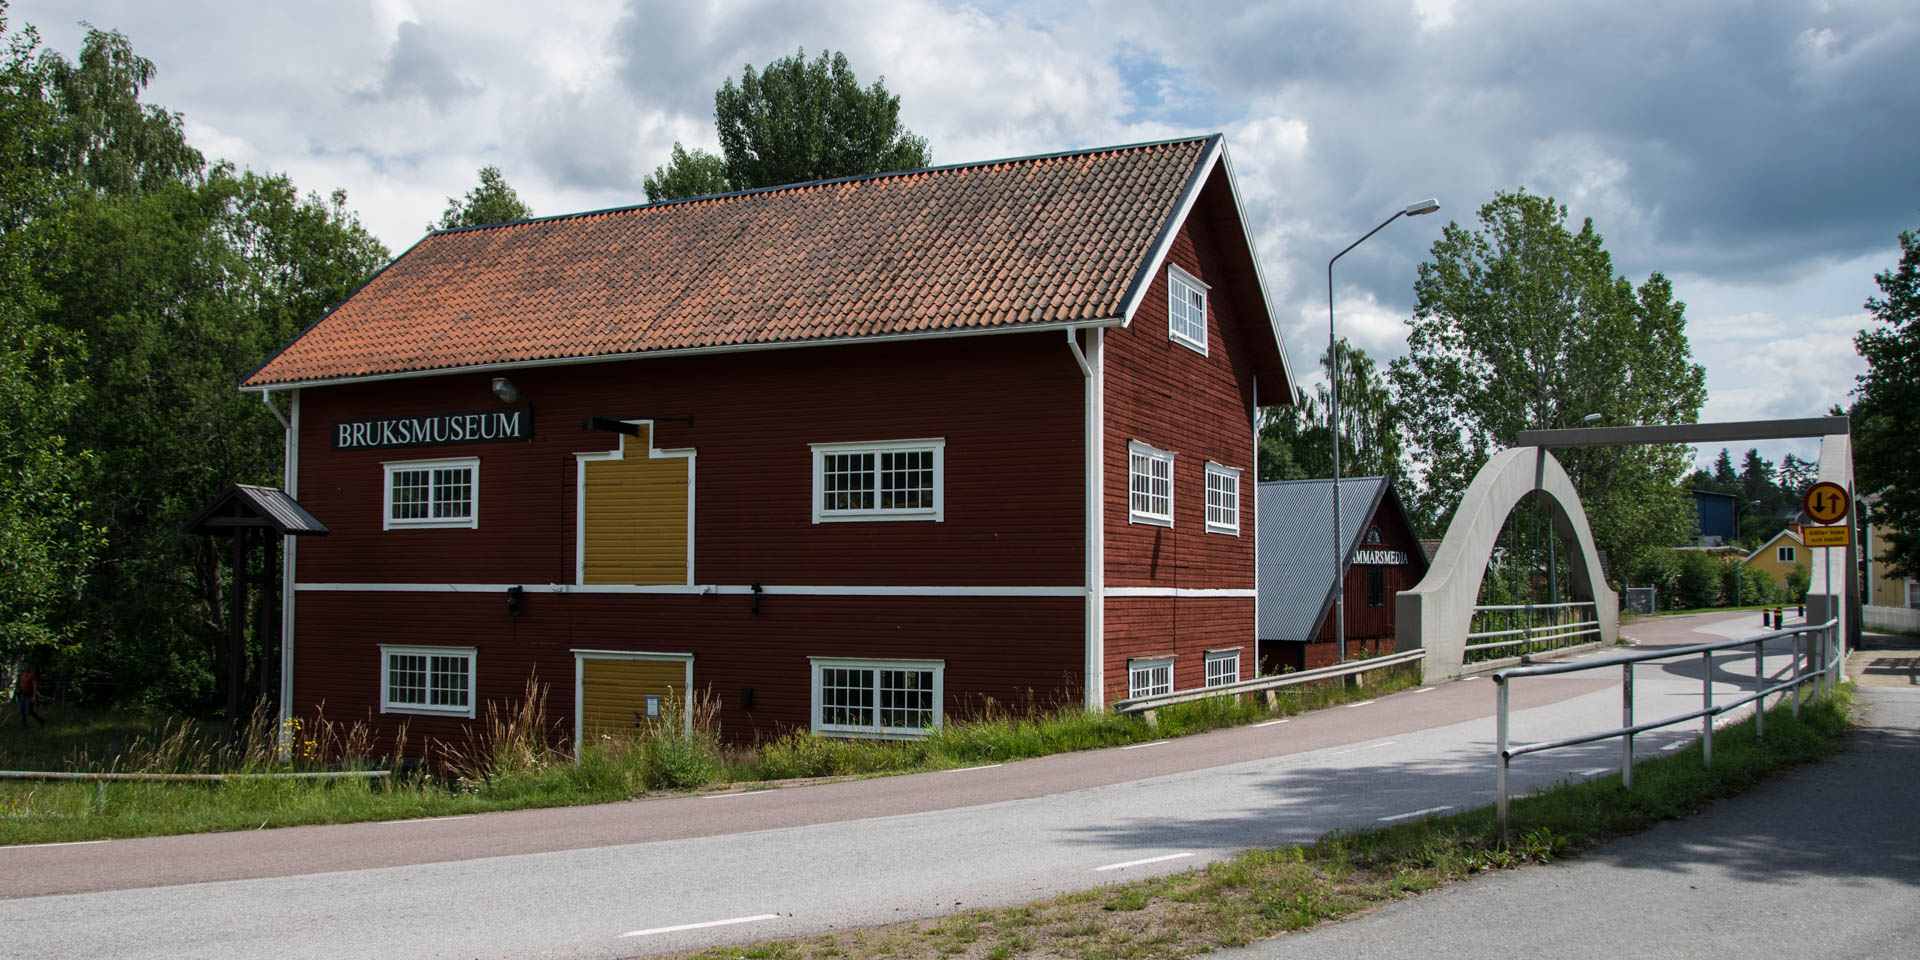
[(1827, 502)]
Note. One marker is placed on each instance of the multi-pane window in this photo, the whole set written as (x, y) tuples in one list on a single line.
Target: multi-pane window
[(1223, 667), (1186, 308), (426, 680), (896, 480), (1146, 678), (1149, 484), (1376, 586), (1786, 554), (432, 493), (879, 698), (1223, 499)]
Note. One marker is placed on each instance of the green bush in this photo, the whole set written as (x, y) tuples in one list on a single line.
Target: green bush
[(1798, 579), (1746, 586), (1698, 584)]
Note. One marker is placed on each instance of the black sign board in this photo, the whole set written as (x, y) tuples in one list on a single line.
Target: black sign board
[(435, 429)]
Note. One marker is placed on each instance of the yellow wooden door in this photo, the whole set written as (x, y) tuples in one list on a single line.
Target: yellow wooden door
[(618, 696)]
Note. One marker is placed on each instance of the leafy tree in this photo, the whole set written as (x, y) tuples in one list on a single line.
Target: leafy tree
[(1296, 442), (493, 201), (1886, 430), (688, 174), (1521, 323), (45, 542)]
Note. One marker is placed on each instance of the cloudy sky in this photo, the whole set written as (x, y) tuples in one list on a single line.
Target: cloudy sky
[(1761, 154)]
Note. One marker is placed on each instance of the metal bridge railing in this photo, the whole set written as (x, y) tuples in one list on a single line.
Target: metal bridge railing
[(1536, 627), (1817, 659), (1266, 684)]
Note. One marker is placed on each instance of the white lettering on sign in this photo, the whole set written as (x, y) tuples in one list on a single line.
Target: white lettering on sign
[(1379, 558), (491, 426)]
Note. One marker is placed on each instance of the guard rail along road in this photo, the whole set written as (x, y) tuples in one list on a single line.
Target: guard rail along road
[(1267, 685), (1817, 659)]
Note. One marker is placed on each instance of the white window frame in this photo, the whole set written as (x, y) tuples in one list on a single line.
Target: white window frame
[(1225, 474), (1219, 677), (1785, 554), (936, 513), (1179, 283), (391, 468), (877, 730), (387, 704), (1141, 679), (1138, 453)]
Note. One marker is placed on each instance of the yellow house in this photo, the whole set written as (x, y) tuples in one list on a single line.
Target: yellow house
[(1778, 557), (1885, 589)]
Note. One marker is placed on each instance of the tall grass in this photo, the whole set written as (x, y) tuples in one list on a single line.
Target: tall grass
[(516, 757)]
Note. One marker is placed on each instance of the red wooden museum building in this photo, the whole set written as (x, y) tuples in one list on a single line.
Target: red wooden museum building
[(851, 455)]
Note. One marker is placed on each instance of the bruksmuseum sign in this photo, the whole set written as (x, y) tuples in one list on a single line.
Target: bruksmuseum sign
[(436, 429)]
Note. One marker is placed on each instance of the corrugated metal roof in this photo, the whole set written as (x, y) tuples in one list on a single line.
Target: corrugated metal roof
[(1296, 577), (245, 505)]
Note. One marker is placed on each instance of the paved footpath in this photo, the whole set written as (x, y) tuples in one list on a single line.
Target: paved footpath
[(1821, 862), (630, 878)]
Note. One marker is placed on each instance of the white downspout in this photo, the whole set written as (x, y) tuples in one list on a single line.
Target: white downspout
[(1254, 503), (1092, 372), (291, 483)]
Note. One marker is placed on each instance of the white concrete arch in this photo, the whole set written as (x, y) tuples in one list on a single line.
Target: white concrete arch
[(1435, 615)]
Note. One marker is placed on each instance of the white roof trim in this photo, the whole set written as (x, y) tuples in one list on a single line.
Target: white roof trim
[(1785, 532)]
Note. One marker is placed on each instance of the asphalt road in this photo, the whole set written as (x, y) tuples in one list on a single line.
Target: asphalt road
[(624, 879), (1822, 862)]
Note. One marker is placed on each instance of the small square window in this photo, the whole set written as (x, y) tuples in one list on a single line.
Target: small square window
[(1150, 485), (1786, 554), (427, 680), (1186, 309), (432, 493), (1223, 499), (1148, 678), (1223, 667), (895, 699)]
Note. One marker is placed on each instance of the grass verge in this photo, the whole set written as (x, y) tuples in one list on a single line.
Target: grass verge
[(1265, 893), (511, 762)]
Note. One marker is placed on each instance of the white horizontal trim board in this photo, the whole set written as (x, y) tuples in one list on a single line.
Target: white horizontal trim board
[(1189, 592), (708, 589)]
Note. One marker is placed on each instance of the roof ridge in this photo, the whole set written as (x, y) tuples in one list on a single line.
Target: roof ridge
[(942, 168)]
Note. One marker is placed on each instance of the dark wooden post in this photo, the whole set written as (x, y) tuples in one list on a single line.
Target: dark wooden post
[(268, 633), (236, 632)]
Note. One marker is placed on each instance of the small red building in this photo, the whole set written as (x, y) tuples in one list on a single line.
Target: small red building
[(1380, 555), (850, 455)]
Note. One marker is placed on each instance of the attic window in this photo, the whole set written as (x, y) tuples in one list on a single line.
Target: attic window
[(1186, 309)]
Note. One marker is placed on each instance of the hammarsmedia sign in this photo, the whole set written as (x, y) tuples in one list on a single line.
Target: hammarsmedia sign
[(434, 429)]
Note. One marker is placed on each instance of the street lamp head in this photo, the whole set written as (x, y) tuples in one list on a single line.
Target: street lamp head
[(1591, 418), (1428, 205)]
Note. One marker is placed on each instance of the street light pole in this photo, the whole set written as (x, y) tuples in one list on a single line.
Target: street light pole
[(1333, 421)]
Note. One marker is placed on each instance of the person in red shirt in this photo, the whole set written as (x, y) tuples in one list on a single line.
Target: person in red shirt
[(26, 687)]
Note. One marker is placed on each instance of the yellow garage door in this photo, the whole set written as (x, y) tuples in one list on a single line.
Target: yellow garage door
[(618, 695)]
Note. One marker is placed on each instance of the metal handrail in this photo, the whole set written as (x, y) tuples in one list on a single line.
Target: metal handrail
[(1824, 651), (1548, 633), (1533, 606), (1260, 684)]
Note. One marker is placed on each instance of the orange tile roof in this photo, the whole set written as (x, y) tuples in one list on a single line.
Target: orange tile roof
[(972, 247)]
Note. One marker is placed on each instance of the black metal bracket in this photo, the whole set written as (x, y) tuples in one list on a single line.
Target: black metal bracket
[(616, 425)]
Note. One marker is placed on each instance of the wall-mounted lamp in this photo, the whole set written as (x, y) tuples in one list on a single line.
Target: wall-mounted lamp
[(513, 601), (757, 590), (506, 391)]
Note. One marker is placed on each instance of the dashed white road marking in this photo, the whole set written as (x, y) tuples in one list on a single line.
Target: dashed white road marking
[(1362, 703), (1677, 744), (1136, 746), (984, 766), (1138, 863), (1269, 723), (1596, 771), (63, 843), (736, 793), (1415, 813), (698, 926), (463, 816), (1424, 690)]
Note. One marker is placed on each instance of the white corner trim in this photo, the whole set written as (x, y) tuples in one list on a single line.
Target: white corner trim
[(288, 573), (619, 452)]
